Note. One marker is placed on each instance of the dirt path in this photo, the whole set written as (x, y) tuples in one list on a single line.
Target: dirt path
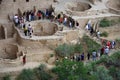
[(29, 65)]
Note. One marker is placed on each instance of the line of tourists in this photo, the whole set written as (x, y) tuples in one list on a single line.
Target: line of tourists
[(94, 55)]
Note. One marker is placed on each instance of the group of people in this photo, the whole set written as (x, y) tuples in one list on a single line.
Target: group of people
[(94, 55), (78, 57), (89, 27), (20, 19), (65, 20), (105, 50)]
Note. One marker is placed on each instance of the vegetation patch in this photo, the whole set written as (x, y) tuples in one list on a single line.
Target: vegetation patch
[(67, 49), (71, 70), (104, 34), (117, 40), (107, 68), (64, 50), (7, 77), (107, 23), (39, 73), (90, 44), (87, 45)]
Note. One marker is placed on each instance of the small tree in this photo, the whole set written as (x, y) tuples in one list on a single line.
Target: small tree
[(26, 74), (71, 70), (105, 23), (41, 73), (102, 73), (78, 48), (64, 50)]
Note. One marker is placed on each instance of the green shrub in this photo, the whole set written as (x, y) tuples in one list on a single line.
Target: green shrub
[(105, 23), (104, 34), (118, 74), (90, 44), (41, 73), (64, 50), (102, 73), (7, 77), (112, 71), (26, 74), (71, 70), (51, 55), (78, 48), (117, 40), (103, 59)]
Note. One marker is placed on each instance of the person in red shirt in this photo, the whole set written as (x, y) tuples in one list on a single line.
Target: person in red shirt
[(108, 44), (24, 58), (60, 20), (102, 50), (39, 15)]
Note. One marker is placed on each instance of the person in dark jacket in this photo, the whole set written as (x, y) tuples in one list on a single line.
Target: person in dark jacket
[(88, 56), (82, 56)]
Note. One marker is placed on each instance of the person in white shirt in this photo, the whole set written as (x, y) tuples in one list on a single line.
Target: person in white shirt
[(30, 30), (98, 34), (16, 20), (107, 50), (65, 21)]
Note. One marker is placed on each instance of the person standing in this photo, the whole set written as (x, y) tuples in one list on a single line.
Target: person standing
[(25, 30), (88, 56), (107, 50), (82, 56), (65, 21), (108, 44), (102, 50), (24, 59), (39, 14), (94, 55), (16, 20), (30, 30), (98, 34), (91, 31), (113, 44)]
